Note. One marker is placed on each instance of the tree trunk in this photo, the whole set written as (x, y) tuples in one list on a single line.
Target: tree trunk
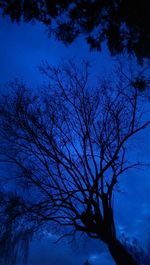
[(119, 253), (117, 250)]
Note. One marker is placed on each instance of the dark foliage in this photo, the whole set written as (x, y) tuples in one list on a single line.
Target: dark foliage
[(15, 231), (123, 24)]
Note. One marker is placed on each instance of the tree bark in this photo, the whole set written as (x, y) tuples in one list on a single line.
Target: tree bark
[(119, 253)]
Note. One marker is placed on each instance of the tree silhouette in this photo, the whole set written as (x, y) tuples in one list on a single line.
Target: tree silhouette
[(124, 25), (68, 145), (86, 262)]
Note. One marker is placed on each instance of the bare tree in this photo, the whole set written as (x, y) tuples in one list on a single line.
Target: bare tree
[(69, 146)]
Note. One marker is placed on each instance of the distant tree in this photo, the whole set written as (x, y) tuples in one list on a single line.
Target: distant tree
[(124, 24), (86, 262), (68, 145), (14, 238)]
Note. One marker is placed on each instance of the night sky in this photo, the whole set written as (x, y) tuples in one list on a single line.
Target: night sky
[(22, 48)]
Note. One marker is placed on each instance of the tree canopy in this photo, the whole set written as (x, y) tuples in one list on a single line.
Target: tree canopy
[(123, 24), (68, 145)]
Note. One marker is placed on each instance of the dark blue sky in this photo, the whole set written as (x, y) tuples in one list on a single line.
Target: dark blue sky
[(22, 48)]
